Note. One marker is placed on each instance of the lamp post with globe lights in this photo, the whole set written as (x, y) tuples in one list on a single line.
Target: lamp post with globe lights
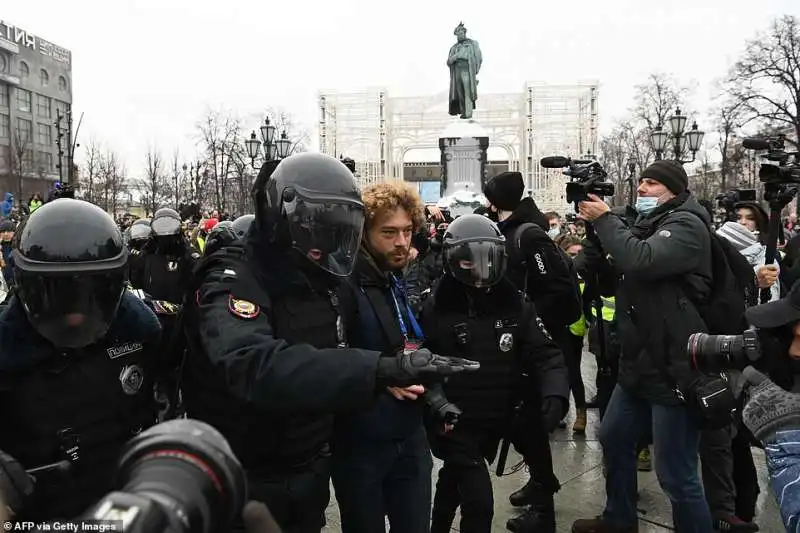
[(682, 141), (274, 148)]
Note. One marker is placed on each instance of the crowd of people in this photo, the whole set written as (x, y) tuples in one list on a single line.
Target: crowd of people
[(346, 336)]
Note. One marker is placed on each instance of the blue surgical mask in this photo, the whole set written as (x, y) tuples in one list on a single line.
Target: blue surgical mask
[(554, 232), (645, 204)]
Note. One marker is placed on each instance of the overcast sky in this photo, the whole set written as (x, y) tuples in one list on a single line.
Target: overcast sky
[(145, 70)]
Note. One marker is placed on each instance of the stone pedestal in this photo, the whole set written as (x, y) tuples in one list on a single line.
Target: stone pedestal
[(463, 146)]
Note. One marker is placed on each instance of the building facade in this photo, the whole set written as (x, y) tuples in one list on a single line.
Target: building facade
[(35, 92)]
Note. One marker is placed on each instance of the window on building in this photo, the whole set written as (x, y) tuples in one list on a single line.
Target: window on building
[(24, 70), (62, 108), (3, 95), (5, 126), (27, 161), (43, 108), (62, 84), (24, 98), (44, 161), (24, 131), (5, 158), (44, 78), (44, 134)]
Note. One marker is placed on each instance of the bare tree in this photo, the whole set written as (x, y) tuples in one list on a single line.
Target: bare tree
[(178, 180), (22, 159), (728, 120), (154, 188), (91, 166), (765, 81), (111, 181), (285, 122), (658, 98), (221, 140)]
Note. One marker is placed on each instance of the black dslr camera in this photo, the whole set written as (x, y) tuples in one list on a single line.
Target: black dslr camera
[(716, 353), (178, 476), (586, 177)]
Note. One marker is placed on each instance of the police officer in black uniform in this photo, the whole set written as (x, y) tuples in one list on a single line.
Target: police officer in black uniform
[(77, 364), (477, 313), (166, 266), (269, 362)]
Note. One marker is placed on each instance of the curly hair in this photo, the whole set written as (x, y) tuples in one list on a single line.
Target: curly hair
[(388, 196), (566, 241)]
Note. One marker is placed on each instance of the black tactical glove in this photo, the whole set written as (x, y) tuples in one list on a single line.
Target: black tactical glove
[(420, 366), (16, 485), (553, 410), (768, 408), (445, 413)]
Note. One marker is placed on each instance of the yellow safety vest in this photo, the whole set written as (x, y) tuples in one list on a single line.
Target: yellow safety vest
[(579, 327), (201, 244), (609, 308)]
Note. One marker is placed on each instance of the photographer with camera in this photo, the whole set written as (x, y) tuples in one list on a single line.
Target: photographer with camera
[(663, 258)]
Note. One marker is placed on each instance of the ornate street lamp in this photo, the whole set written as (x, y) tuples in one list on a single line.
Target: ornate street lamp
[(253, 146), (682, 141), (274, 148), (284, 146)]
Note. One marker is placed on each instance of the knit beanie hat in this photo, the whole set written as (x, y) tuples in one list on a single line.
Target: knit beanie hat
[(738, 235), (505, 190), (669, 173)]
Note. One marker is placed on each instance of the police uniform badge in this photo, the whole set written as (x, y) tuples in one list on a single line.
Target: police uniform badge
[(131, 377), (506, 342), (172, 266), (242, 308), (540, 324)]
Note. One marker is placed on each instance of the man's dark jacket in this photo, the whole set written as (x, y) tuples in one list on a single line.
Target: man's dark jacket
[(375, 327), (664, 262), (549, 283)]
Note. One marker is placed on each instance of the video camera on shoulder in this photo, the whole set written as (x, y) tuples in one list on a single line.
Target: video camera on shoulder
[(728, 200), (586, 176), (781, 176)]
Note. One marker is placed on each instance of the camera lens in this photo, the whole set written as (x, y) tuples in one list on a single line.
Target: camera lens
[(714, 353), (181, 472)]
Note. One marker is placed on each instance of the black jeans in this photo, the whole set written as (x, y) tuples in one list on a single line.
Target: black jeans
[(297, 501), (532, 441), (572, 357), (391, 479), (468, 486)]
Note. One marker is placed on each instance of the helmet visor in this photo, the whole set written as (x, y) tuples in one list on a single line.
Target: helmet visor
[(476, 263), (165, 226), (70, 311), (327, 233)]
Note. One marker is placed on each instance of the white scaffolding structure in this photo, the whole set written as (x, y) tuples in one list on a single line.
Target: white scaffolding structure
[(378, 131)]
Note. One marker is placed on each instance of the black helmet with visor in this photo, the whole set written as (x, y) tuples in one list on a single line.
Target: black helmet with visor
[(474, 251), (70, 271), (311, 203)]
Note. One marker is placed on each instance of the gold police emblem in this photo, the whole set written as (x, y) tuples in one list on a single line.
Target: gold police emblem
[(242, 308), (506, 342)]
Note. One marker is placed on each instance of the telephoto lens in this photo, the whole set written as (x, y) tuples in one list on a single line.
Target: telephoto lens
[(716, 353), (178, 476)]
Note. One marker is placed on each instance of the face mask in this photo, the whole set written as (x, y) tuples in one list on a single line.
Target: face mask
[(553, 232), (645, 204)]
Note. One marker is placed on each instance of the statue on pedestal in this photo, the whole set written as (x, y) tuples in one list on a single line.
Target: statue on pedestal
[(465, 62)]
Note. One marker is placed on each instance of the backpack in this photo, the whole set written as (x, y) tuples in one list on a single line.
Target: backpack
[(731, 282)]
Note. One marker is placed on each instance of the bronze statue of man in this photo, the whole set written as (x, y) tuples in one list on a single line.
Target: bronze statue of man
[(465, 62)]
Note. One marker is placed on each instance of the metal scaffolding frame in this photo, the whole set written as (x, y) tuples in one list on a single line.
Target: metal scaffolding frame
[(378, 130)]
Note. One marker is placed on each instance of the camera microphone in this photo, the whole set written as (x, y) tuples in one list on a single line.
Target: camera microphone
[(555, 161), (756, 144)]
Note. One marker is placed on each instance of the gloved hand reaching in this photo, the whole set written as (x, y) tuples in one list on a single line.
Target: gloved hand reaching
[(768, 408), (553, 410), (445, 413), (419, 367)]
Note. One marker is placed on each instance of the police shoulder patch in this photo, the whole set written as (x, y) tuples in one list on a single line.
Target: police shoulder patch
[(242, 308), (540, 324)]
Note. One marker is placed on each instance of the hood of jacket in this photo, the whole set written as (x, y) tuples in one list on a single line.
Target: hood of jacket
[(9, 197), (526, 211)]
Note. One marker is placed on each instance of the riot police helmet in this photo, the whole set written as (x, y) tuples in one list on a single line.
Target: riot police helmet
[(70, 271), (242, 225), (222, 235), (311, 203), (140, 231), (474, 251), (166, 223)]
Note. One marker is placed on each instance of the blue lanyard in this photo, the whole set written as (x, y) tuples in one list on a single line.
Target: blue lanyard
[(414, 325)]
